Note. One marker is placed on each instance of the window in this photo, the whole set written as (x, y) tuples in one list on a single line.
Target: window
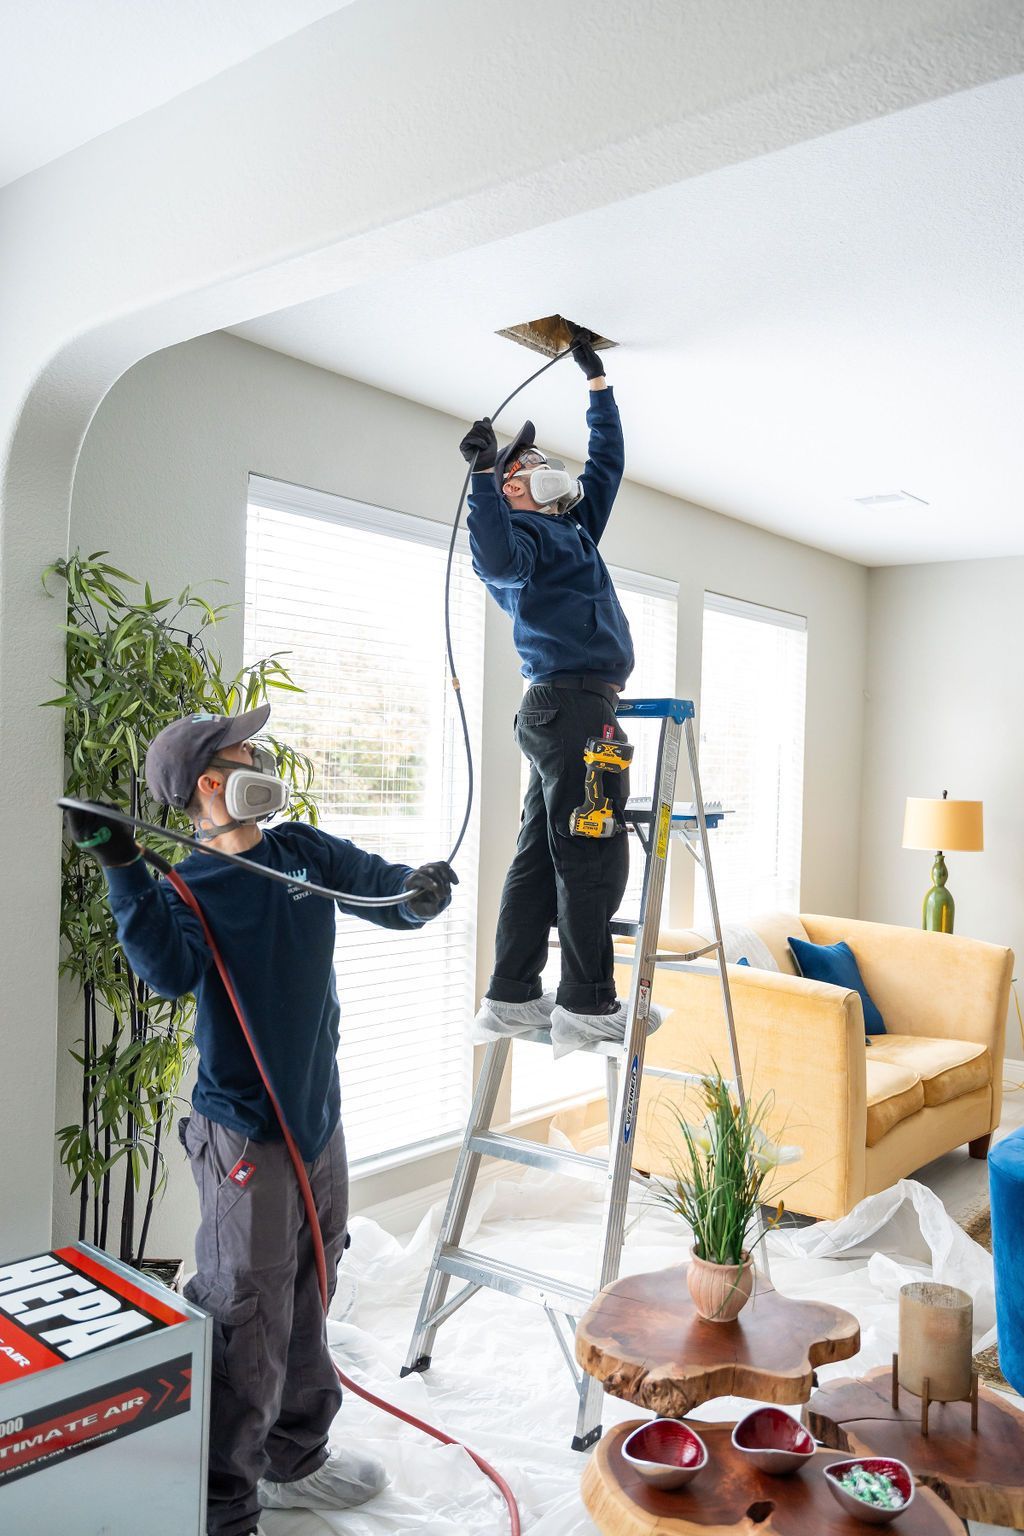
[(752, 687), (354, 596), (650, 605)]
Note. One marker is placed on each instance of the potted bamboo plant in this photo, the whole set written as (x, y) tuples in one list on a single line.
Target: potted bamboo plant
[(720, 1181), (134, 663)]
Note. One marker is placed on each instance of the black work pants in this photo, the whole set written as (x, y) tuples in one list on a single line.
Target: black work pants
[(575, 883)]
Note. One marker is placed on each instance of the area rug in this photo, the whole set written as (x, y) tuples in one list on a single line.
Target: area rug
[(976, 1221)]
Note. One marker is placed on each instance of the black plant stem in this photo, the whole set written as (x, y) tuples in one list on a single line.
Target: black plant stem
[(94, 1134), (154, 1167), (83, 1198)]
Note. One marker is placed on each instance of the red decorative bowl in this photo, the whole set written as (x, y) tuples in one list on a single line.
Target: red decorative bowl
[(870, 1514), (773, 1441), (665, 1453)]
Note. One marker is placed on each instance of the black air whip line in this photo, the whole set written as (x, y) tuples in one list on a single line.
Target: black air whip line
[(347, 898), (452, 673)]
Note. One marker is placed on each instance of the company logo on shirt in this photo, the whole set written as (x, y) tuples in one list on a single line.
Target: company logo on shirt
[(293, 890)]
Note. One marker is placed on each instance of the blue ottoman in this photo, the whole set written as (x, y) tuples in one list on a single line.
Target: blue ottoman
[(1006, 1191)]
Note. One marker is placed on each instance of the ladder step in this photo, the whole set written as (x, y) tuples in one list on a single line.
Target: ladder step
[(514, 1149), (479, 1269)]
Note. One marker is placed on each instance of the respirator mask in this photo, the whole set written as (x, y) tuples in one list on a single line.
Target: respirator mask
[(252, 792), (550, 484)]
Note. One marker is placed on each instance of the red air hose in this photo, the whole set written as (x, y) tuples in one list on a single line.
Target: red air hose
[(314, 1225)]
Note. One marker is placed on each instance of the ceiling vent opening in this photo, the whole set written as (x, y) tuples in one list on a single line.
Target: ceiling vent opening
[(890, 499), (552, 335)]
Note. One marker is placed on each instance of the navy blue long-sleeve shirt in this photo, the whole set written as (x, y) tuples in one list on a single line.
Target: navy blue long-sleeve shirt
[(546, 572), (278, 945)]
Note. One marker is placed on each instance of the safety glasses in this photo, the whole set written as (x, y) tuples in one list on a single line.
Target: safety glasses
[(262, 761)]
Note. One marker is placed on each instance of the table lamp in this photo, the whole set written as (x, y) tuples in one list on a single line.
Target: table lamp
[(943, 825)]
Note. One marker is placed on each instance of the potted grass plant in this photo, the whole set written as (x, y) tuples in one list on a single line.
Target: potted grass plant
[(720, 1180)]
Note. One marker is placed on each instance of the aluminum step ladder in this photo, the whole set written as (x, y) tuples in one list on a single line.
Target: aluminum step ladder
[(654, 823)]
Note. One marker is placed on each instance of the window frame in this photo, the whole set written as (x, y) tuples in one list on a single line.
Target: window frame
[(780, 619)]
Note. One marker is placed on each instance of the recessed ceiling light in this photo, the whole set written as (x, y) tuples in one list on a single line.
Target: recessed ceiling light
[(890, 499)]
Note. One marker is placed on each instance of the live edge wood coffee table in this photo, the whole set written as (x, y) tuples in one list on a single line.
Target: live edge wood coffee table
[(730, 1496), (643, 1340), (980, 1476)]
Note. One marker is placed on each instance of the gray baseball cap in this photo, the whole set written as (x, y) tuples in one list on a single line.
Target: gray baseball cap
[(182, 751)]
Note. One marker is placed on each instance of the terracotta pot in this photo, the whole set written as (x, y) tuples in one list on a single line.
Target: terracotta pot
[(720, 1291)]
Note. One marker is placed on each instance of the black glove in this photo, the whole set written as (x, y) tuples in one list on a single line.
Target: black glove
[(585, 355), (432, 884), (480, 444), (108, 841)]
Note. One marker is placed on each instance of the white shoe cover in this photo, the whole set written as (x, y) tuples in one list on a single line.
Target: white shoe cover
[(572, 1031), (497, 1019), (347, 1478)]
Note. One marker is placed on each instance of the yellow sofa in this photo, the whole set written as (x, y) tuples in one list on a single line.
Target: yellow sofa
[(864, 1116)]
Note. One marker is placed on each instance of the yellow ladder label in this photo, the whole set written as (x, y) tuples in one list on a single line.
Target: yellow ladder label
[(664, 827)]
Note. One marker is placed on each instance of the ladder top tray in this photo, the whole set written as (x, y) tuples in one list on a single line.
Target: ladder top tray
[(638, 812)]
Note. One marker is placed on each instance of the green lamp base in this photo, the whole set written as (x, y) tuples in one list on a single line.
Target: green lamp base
[(938, 904)]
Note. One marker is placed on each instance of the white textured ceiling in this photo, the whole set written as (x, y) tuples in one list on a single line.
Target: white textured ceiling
[(72, 69), (840, 319)]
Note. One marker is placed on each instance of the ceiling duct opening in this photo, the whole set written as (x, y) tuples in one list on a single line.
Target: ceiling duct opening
[(552, 335)]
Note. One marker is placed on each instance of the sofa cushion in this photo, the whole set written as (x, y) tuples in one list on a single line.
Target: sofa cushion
[(894, 1093), (947, 1068), (771, 928), (837, 965), (774, 929)]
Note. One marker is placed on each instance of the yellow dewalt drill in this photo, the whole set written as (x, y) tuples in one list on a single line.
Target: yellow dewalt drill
[(596, 816)]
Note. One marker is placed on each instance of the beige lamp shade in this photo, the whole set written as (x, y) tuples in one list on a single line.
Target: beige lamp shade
[(950, 825)]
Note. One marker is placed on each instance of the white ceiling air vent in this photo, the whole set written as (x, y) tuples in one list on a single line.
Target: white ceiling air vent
[(890, 499)]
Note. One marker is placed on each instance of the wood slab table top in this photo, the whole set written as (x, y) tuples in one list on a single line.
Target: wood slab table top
[(980, 1476), (731, 1498), (643, 1340)]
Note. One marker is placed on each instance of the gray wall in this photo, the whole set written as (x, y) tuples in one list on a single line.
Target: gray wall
[(162, 484), (945, 681)]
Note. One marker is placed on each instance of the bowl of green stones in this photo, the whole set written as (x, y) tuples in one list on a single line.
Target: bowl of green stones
[(874, 1489)]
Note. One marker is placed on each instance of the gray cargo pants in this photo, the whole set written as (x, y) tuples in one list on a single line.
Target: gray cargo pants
[(274, 1390)]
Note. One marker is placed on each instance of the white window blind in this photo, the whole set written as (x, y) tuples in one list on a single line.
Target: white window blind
[(650, 605), (354, 596), (752, 698)]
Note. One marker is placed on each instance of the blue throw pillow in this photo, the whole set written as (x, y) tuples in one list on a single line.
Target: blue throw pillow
[(835, 963)]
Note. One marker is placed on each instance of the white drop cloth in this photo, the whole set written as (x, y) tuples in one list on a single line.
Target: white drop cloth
[(498, 1380)]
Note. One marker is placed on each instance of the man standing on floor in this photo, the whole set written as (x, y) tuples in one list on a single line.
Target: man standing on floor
[(534, 532), (274, 1389)]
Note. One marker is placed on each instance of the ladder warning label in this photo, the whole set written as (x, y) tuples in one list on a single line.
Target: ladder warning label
[(664, 827), (38, 1440), (60, 1305)]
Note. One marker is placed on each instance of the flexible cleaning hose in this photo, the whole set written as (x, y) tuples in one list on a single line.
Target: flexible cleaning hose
[(187, 896), (452, 673), (348, 898)]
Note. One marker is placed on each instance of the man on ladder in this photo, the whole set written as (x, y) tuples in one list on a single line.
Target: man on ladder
[(534, 531)]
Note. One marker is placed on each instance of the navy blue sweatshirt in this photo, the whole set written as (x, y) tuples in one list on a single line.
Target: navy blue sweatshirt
[(278, 945), (546, 572)]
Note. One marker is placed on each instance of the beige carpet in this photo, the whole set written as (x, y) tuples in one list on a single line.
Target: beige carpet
[(976, 1221)]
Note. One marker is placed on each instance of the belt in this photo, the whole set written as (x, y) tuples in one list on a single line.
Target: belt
[(608, 690)]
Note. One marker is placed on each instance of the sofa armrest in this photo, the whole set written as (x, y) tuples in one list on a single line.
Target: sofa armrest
[(801, 1043), (936, 984)]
